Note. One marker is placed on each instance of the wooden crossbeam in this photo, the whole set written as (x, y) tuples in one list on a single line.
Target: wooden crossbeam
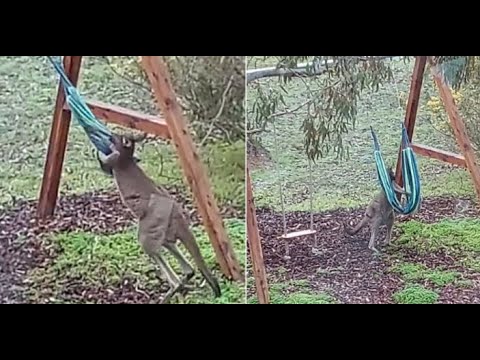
[(458, 126), (57, 143), (255, 247), (438, 154), (128, 118), (160, 81)]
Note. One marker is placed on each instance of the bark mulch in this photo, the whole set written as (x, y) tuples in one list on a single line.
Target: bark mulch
[(343, 266), (22, 248)]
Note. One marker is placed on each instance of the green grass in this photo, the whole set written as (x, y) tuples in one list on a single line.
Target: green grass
[(26, 110), (27, 100), (458, 238), (352, 182), (103, 262), (295, 292), (415, 294), (465, 283), (454, 236), (473, 264), (419, 272), (301, 298), (225, 166)]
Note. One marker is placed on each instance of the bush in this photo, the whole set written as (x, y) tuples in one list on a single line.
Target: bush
[(211, 90), (468, 105)]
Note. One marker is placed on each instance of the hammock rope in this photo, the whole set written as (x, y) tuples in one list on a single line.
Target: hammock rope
[(99, 135), (410, 174)]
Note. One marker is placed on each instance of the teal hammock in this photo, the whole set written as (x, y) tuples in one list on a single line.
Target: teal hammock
[(410, 174), (97, 132)]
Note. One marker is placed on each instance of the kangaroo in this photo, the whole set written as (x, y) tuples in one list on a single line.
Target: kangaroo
[(108, 169), (161, 218), (379, 212)]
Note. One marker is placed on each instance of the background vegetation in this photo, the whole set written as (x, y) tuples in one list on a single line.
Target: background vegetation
[(211, 90)]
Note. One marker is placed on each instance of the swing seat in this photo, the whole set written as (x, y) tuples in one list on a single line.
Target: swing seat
[(298, 234)]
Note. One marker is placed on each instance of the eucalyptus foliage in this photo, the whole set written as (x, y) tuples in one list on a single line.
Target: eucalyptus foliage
[(331, 98), (211, 90), (330, 107)]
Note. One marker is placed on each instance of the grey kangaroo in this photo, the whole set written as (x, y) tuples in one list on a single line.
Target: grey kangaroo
[(378, 213), (161, 218)]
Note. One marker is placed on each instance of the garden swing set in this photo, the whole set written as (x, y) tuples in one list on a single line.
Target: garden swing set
[(406, 170), (290, 235), (173, 127)]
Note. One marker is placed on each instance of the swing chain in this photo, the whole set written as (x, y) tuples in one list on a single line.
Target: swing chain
[(282, 200)]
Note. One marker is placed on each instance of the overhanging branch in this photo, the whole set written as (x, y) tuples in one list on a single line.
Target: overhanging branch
[(304, 69)]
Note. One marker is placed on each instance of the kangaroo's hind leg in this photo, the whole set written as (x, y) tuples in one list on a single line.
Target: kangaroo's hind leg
[(152, 242), (187, 269), (172, 277), (375, 226), (389, 223)]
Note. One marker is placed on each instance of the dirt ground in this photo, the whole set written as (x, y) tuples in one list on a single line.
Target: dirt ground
[(22, 247), (343, 266)]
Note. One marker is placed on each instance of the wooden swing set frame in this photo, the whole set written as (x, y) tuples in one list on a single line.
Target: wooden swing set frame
[(467, 160), (172, 126)]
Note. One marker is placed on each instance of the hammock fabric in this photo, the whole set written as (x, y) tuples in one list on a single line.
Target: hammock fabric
[(410, 176), (97, 132)]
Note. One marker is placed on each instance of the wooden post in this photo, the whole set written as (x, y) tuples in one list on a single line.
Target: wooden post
[(458, 126), (255, 247), (159, 78), (57, 143), (412, 107)]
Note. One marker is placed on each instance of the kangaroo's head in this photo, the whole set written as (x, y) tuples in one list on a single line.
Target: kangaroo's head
[(125, 146), (391, 173)]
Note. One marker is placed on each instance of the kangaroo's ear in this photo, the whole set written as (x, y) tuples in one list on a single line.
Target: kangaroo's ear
[(140, 137), (127, 143), (136, 138), (116, 140), (391, 173)]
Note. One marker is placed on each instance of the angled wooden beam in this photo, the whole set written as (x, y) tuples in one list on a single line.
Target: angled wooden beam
[(445, 156), (255, 247), (57, 143), (194, 170), (128, 118), (458, 126), (412, 108)]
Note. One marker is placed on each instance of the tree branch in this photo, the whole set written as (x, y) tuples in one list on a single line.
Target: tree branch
[(220, 111), (280, 113), (300, 70)]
